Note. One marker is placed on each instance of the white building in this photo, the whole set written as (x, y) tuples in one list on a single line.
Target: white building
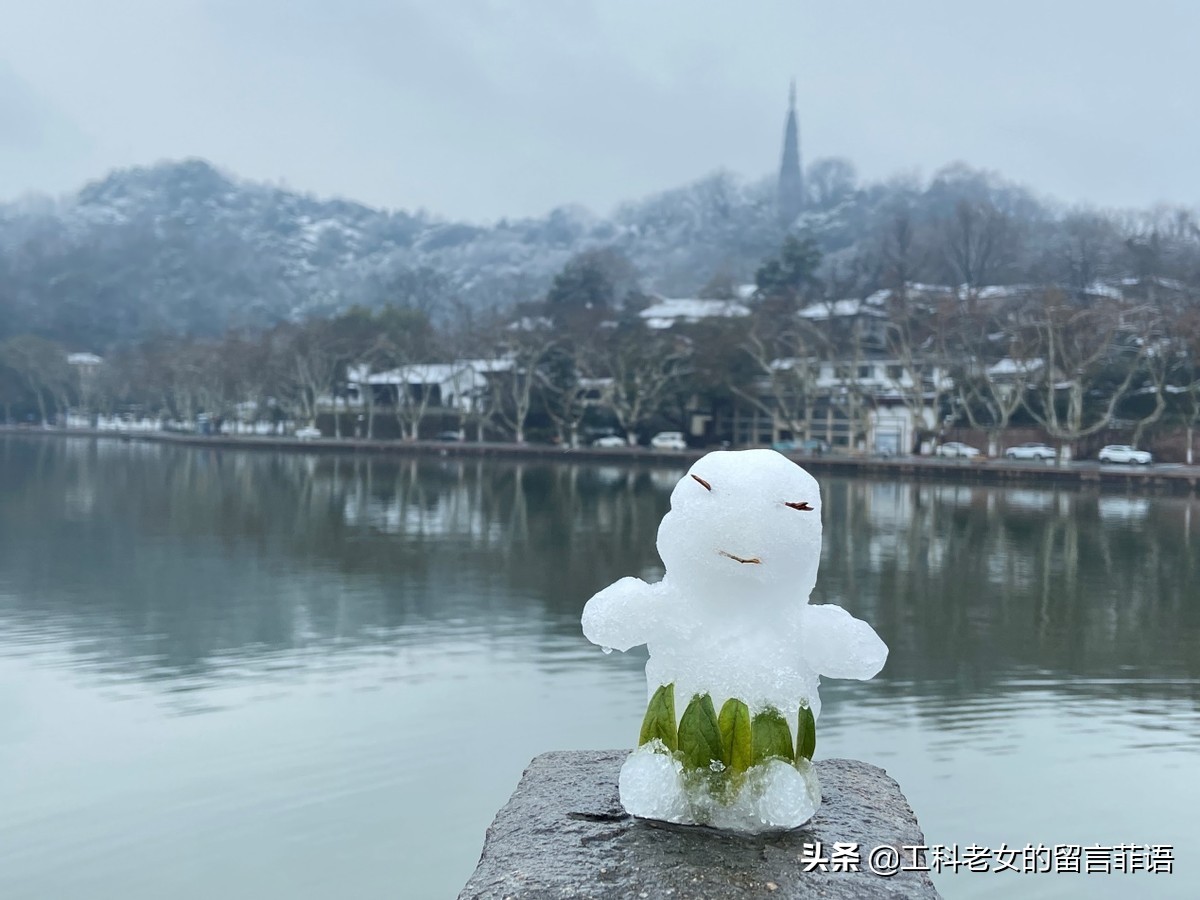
[(455, 385)]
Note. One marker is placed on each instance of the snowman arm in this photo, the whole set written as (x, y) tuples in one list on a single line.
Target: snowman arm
[(620, 616), (840, 646)]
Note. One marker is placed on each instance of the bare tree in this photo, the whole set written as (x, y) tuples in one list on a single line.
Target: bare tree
[(642, 368), (481, 400), (526, 345), (412, 394), (475, 336), (830, 180), (1183, 380), (848, 396), (901, 254), (567, 383), (40, 365), (1088, 366), (913, 333), (12, 387), (398, 343), (1144, 328), (313, 365), (1089, 243), (990, 391), (240, 358), (1191, 391), (989, 368), (785, 366), (193, 380), (977, 237)]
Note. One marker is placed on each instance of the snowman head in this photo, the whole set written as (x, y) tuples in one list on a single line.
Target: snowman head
[(744, 526)]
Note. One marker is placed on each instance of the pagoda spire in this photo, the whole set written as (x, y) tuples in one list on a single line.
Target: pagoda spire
[(791, 177)]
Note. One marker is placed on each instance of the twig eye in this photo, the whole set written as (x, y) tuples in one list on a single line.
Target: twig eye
[(802, 505), (704, 484)]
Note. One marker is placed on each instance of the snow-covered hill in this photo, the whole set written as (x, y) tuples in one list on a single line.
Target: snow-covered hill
[(182, 247)]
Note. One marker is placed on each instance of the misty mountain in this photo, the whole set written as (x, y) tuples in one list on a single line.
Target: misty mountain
[(183, 248)]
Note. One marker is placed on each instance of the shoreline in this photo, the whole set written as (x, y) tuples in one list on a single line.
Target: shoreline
[(1161, 479)]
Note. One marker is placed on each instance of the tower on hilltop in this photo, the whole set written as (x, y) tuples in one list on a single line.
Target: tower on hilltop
[(791, 178)]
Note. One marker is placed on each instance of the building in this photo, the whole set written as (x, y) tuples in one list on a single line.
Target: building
[(456, 385), (877, 405), (791, 176), (848, 389)]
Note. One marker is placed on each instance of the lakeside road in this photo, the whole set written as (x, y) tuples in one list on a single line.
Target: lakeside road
[(1165, 478)]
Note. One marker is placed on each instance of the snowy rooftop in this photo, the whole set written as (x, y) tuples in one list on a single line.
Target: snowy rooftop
[(1100, 289), (788, 363), (432, 373), (423, 373), (1169, 283), (1003, 291), (595, 384), (486, 365), (839, 309), (922, 288), (879, 298), (1007, 366), (667, 312), (944, 291), (531, 323)]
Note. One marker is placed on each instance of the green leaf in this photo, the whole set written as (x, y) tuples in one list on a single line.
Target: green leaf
[(806, 734), (770, 736), (660, 719), (734, 724), (699, 733)]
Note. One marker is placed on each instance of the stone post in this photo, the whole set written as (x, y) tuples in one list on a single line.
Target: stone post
[(563, 833)]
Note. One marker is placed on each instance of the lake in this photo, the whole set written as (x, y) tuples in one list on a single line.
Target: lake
[(251, 674)]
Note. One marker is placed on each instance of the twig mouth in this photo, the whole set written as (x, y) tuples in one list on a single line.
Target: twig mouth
[(753, 560)]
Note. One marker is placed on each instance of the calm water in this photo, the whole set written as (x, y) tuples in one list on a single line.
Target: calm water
[(257, 676)]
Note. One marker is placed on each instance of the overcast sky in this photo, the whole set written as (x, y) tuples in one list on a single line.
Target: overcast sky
[(485, 109)]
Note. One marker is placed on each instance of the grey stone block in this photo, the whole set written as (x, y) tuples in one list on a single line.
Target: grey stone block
[(564, 834)]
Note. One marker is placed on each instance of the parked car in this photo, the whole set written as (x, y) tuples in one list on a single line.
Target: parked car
[(308, 433), (1123, 453), (1031, 450), (668, 440), (450, 436), (954, 448), (610, 441)]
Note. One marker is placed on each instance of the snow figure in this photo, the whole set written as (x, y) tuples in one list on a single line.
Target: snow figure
[(733, 638)]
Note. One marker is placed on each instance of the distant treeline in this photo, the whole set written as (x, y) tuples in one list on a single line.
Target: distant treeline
[(183, 250)]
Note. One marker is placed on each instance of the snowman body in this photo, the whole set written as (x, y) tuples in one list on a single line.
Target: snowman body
[(731, 620)]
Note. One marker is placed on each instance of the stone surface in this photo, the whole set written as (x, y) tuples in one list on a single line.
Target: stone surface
[(563, 833)]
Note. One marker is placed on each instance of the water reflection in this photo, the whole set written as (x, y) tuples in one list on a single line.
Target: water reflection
[(167, 562), (970, 584)]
